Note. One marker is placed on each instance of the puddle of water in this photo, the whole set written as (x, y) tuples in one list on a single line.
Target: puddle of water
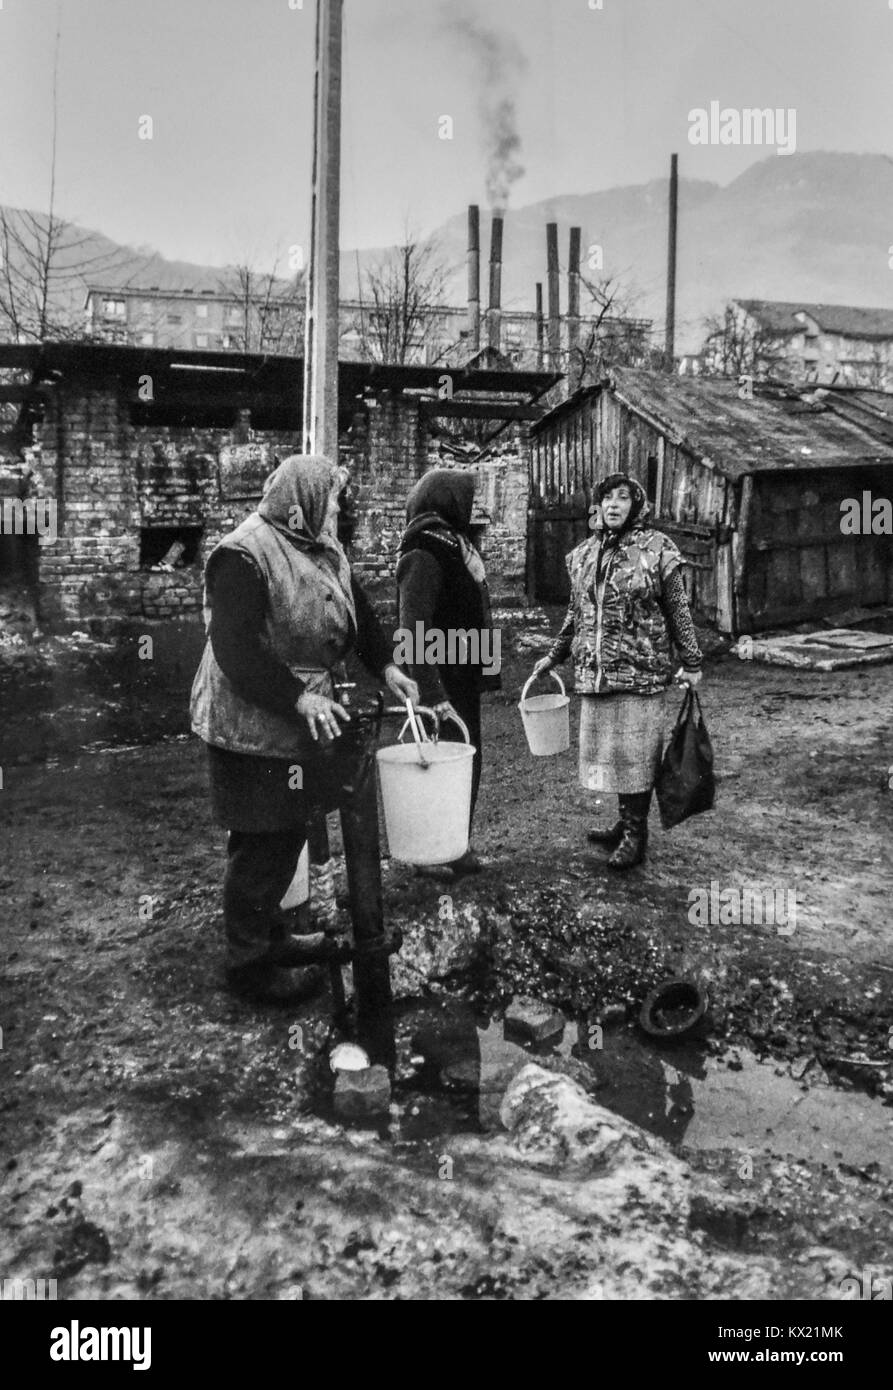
[(453, 1072), (698, 1101)]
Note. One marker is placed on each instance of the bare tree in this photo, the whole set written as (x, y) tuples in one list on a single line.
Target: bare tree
[(44, 263), (399, 296), (878, 373), (736, 346), (271, 310), (611, 336)]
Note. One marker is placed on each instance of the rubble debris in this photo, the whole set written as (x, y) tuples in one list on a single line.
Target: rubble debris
[(532, 1021), (833, 650)]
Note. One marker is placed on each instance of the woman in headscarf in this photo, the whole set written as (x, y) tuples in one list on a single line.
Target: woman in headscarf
[(442, 588), (281, 610), (627, 606)]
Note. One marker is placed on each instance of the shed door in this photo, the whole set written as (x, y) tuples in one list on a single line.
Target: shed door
[(799, 565)]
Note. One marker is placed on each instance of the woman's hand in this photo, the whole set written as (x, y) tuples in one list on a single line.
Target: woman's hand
[(692, 678), (401, 685), (544, 664), (322, 715), (444, 711)]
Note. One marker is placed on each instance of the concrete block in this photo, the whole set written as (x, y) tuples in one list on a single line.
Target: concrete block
[(361, 1095), (529, 1020)]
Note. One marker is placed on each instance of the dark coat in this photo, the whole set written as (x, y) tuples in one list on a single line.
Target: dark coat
[(437, 589)]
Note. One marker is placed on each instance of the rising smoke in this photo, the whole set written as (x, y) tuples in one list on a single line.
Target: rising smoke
[(500, 63)]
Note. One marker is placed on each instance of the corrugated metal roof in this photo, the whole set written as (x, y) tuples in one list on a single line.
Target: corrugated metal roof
[(776, 429), (780, 317)]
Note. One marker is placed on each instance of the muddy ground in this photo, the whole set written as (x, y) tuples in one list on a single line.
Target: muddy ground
[(163, 1140)]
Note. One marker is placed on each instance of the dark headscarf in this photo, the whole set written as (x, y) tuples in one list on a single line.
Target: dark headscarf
[(442, 500), (296, 502), (443, 497)]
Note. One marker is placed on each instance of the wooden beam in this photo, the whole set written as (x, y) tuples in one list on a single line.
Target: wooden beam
[(744, 518), (481, 410), (819, 538), (13, 395)]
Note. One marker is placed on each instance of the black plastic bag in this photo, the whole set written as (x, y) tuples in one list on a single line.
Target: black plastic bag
[(685, 784)]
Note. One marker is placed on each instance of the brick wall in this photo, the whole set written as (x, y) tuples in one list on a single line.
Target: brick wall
[(114, 480), (501, 499), (111, 480), (386, 456)]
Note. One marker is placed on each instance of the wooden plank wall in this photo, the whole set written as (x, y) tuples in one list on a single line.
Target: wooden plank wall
[(798, 562), (603, 436), (695, 501)]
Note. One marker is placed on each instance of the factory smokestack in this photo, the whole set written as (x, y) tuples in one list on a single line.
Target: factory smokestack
[(495, 314), (474, 277), (573, 306), (540, 328), (554, 296)]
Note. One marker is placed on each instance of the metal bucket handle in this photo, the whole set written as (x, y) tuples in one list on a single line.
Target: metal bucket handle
[(552, 672), (411, 710)]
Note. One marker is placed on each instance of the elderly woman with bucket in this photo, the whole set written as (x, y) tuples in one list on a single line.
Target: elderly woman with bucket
[(282, 610), (627, 606), (444, 608)]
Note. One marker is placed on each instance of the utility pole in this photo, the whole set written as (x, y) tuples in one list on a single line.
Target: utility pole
[(321, 334), (670, 344), (359, 808)]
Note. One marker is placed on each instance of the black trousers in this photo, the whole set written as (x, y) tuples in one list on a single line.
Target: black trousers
[(259, 868)]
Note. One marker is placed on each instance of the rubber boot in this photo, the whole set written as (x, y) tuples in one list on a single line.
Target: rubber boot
[(634, 838), (264, 982), (609, 837)]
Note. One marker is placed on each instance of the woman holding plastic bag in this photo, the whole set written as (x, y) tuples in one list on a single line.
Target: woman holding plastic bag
[(627, 610)]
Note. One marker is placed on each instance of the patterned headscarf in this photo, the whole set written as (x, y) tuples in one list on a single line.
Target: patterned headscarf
[(296, 502), (638, 512)]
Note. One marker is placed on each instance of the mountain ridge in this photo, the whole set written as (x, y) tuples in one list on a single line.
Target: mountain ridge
[(813, 226)]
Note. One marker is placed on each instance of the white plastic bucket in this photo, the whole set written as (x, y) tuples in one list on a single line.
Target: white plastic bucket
[(426, 795), (547, 720)]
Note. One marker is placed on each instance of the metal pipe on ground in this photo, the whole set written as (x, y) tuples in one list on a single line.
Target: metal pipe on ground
[(371, 969)]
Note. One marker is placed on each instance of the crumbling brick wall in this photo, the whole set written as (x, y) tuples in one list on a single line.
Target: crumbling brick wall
[(500, 506), (386, 456), (114, 480), (111, 481)]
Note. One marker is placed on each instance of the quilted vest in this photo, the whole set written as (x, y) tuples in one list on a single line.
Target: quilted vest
[(307, 626)]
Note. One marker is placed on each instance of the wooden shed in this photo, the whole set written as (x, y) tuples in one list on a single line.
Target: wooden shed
[(749, 481)]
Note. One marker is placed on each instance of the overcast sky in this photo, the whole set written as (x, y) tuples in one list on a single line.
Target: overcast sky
[(601, 98)]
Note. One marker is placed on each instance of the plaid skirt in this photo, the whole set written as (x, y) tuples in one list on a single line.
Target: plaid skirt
[(621, 742)]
